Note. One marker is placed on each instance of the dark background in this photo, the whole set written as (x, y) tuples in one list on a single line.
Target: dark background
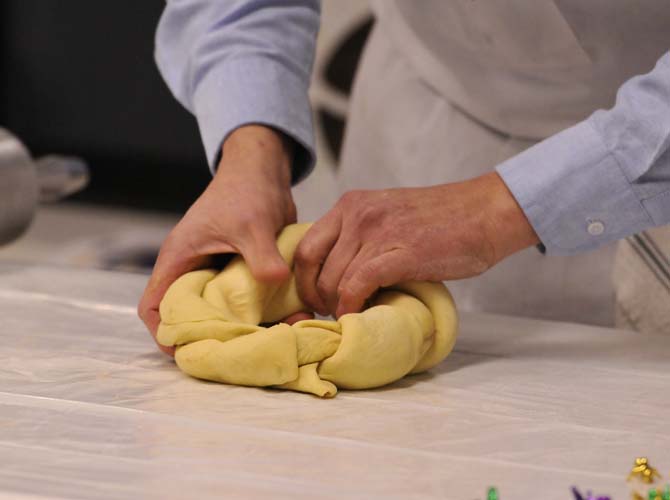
[(78, 77)]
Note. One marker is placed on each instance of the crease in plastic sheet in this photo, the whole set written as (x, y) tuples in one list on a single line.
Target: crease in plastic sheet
[(83, 304), (89, 408)]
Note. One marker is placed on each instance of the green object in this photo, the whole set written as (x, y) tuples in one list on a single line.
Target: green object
[(666, 493), (492, 494), (655, 494)]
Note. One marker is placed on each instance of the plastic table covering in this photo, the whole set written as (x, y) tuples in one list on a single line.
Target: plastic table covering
[(90, 409)]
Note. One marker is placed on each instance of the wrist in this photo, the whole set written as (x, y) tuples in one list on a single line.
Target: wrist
[(258, 149), (505, 224)]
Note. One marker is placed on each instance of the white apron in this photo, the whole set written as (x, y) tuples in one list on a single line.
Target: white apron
[(446, 90)]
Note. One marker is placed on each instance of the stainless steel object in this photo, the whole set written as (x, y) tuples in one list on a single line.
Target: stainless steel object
[(60, 176), (25, 182), (19, 188)]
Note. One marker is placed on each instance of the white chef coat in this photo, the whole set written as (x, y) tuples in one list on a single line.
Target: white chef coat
[(448, 90)]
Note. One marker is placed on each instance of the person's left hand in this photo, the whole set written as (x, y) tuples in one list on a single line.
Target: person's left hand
[(374, 239)]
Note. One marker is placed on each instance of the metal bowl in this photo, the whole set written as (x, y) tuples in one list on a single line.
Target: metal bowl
[(19, 187), (24, 183)]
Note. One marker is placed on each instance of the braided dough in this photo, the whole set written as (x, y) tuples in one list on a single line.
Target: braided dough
[(213, 318)]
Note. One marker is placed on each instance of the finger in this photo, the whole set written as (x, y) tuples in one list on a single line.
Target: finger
[(310, 254), (337, 262), (365, 254), (151, 318), (172, 262), (361, 282), (148, 308), (262, 255), (294, 318)]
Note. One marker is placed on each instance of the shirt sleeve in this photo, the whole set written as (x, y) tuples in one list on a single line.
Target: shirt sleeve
[(239, 62), (605, 178)]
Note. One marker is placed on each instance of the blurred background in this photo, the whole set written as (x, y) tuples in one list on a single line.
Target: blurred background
[(78, 78)]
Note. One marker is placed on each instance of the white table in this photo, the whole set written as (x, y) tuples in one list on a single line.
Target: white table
[(90, 409)]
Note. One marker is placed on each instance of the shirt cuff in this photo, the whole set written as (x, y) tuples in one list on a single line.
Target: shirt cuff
[(573, 191), (254, 91)]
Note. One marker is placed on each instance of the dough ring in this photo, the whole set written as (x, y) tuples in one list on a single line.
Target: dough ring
[(213, 319)]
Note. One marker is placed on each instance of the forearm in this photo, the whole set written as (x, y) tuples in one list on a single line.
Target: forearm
[(237, 62), (605, 178), (505, 224), (256, 149)]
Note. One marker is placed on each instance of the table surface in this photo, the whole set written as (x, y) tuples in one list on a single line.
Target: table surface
[(90, 409)]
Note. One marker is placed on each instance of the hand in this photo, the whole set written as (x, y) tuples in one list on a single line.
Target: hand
[(244, 207), (374, 239)]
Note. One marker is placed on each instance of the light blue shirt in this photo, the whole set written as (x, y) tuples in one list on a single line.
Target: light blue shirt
[(241, 62), (237, 62)]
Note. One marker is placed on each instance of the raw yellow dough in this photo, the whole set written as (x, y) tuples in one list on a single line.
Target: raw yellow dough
[(213, 318)]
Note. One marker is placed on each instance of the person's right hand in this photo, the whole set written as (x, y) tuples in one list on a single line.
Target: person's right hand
[(244, 207)]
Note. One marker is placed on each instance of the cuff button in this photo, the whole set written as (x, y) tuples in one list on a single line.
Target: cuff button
[(595, 227)]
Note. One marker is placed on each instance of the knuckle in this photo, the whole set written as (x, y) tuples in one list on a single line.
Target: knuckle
[(305, 255), (300, 258), (371, 213), (363, 210)]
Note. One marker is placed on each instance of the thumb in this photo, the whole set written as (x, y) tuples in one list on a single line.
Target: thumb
[(263, 258), (174, 259)]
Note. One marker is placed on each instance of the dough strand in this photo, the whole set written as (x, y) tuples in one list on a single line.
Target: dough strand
[(214, 317)]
